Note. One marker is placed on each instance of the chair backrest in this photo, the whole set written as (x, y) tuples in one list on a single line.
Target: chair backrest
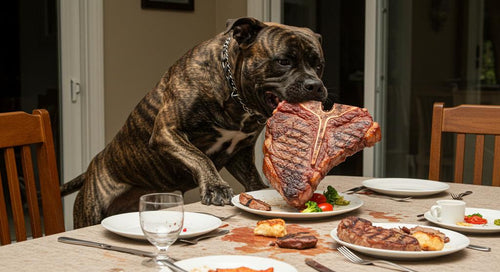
[(479, 120), (19, 131)]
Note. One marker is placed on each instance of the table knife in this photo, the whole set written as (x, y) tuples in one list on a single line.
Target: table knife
[(480, 248), (319, 267), (355, 189), (75, 241)]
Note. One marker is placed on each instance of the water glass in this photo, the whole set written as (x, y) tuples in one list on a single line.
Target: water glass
[(161, 216)]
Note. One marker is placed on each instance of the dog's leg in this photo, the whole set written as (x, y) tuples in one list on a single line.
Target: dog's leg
[(84, 216), (242, 167), (167, 139)]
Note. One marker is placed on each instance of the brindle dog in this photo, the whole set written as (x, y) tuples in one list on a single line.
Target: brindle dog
[(205, 113)]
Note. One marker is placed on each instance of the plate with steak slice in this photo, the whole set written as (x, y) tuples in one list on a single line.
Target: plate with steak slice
[(303, 142), (280, 208), (389, 241)]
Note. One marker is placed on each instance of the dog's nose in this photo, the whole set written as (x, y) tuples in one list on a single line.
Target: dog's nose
[(313, 85)]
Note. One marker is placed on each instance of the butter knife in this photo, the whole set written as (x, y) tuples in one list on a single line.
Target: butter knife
[(74, 241), (319, 267), (480, 248), (354, 190)]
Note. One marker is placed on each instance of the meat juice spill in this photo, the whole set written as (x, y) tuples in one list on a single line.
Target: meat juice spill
[(384, 215), (257, 243)]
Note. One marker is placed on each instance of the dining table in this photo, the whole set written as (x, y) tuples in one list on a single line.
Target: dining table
[(47, 254)]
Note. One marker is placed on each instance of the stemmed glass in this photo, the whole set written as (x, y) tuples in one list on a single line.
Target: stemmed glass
[(162, 217)]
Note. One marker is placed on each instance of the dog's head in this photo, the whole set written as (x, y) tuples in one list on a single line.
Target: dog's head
[(277, 62)]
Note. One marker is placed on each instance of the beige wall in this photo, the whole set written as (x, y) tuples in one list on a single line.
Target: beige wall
[(140, 45)]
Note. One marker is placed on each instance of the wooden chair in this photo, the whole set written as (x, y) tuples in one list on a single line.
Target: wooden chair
[(480, 120), (20, 131)]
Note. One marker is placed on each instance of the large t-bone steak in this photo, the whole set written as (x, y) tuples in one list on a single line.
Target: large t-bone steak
[(303, 142)]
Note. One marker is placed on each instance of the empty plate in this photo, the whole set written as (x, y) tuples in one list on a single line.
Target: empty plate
[(128, 225), (405, 186)]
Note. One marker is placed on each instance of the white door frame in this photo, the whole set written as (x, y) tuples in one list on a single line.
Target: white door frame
[(82, 89), (265, 10), (375, 85)]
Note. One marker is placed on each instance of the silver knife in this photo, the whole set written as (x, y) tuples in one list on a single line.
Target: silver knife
[(74, 241), (314, 264), (480, 248), (354, 190)]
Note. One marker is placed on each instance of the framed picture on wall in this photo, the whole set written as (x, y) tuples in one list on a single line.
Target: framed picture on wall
[(168, 4)]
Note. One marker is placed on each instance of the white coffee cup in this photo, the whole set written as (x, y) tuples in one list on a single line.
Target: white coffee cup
[(449, 211)]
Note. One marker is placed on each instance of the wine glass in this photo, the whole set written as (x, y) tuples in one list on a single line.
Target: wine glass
[(162, 218)]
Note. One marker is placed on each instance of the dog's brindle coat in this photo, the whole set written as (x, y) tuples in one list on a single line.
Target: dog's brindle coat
[(189, 126)]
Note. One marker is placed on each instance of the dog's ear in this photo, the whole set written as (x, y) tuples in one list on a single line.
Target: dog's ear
[(320, 38), (244, 30)]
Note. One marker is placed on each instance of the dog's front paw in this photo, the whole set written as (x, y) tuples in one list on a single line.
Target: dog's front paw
[(216, 194)]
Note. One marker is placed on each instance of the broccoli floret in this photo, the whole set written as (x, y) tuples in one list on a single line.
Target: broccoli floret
[(331, 194), (311, 207), (333, 197), (342, 202)]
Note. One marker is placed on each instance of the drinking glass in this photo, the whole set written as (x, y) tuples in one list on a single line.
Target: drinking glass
[(162, 217)]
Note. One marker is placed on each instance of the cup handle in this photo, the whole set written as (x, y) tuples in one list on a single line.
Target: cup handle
[(436, 212)]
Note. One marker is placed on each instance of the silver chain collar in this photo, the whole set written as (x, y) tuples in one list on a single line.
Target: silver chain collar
[(226, 66)]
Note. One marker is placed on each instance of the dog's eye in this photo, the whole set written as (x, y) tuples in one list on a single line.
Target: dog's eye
[(319, 68), (283, 62)]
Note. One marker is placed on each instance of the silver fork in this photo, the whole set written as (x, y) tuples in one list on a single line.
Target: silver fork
[(399, 199), (357, 260), (461, 195), (222, 218), (194, 241)]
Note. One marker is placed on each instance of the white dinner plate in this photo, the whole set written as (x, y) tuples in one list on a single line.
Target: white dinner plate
[(279, 207), (203, 264), (128, 224), (405, 186), (489, 215), (457, 242)]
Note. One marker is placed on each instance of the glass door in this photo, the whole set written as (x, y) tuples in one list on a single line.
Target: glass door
[(437, 51), (341, 25)]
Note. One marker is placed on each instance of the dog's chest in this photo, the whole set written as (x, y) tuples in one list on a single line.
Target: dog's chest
[(228, 140)]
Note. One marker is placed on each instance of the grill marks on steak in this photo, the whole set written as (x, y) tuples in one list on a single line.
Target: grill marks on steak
[(253, 203), (303, 143), (361, 232)]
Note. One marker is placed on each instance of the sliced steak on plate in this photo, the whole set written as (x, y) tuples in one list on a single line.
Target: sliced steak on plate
[(298, 240), (253, 203), (361, 232)]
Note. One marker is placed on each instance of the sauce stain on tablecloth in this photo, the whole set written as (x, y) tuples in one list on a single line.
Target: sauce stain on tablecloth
[(387, 216), (257, 243)]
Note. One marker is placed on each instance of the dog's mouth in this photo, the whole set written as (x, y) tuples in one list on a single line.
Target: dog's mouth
[(272, 100)]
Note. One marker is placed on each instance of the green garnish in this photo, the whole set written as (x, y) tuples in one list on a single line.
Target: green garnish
[(333, 197), (497, 222), (311, 207)]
